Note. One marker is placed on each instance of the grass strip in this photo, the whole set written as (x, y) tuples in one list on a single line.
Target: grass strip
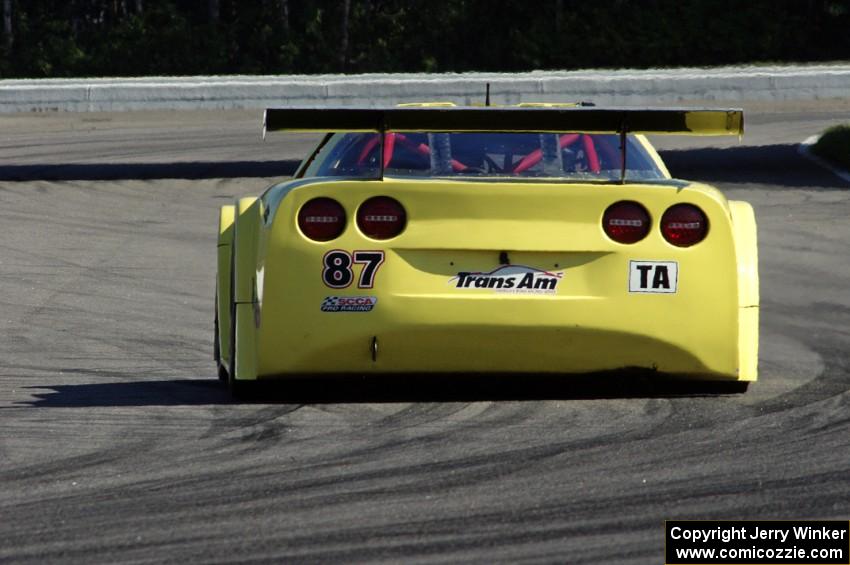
[(834, 146)]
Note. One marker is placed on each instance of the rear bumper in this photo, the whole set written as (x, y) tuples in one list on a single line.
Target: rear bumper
[(441, 334)]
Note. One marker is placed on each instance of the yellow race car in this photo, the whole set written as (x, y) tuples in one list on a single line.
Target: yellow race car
[(537, 238)]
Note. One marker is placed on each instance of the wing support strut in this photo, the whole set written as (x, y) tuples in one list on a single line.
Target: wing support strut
[(381, 158), (624, 129)]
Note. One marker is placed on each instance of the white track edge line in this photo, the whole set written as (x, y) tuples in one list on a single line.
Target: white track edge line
[(804, 150)]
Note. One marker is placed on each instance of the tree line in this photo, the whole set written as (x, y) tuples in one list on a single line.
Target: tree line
[(77, 38)]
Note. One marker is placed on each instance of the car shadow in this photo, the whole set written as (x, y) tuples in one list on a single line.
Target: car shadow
[(379, 389), (168, 392), (195, 170), (776, 165)]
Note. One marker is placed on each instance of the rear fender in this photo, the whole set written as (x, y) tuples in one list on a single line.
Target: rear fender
[(244, 284), (746, 251), (223, 290)]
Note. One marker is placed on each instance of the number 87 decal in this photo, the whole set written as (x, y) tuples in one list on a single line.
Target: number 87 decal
[(337, 268)]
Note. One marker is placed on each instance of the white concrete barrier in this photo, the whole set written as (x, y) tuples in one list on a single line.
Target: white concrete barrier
[(605, 87)]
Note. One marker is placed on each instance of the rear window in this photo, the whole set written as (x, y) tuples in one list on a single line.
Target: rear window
[(533, 155)]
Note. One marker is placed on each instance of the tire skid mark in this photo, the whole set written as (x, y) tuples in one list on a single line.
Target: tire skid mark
[(260, 429), (444, 474), (68, 466)]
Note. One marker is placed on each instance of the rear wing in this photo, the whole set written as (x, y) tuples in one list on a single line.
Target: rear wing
[(508, 119), (554, 119)]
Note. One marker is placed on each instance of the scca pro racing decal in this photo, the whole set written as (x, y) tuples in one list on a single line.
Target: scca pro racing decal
[(659, 277), (337, 268), (349, 303), (510, 278)]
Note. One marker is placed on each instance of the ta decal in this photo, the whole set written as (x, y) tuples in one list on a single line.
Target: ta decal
[(653, 277)]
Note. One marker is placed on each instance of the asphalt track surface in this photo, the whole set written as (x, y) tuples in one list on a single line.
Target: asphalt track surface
[(117, 443)]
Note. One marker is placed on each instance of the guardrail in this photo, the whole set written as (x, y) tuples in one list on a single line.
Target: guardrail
[(619, 87)]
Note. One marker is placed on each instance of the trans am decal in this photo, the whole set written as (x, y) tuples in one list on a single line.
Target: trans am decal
[(349, 303), (515, 279), (653, 277)]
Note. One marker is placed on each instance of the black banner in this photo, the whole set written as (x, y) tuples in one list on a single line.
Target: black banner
[(768, 542)]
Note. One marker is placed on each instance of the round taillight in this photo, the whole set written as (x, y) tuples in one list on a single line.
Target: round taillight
[(381, 217), (321, 219), (684, 225), (626, 222)]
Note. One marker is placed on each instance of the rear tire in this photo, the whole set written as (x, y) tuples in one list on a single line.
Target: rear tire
[(221, 369), (723, 387), (734, 387), (242, 390)]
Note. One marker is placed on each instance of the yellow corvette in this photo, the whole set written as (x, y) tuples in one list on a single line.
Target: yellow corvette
[(532, 239)]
